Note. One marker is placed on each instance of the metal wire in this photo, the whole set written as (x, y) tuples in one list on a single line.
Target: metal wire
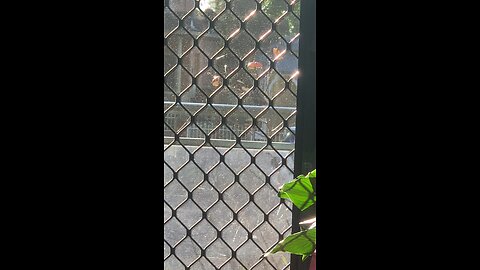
[(230, 77)]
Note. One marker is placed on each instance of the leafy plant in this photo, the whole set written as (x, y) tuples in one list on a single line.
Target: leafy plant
[(301, 193)]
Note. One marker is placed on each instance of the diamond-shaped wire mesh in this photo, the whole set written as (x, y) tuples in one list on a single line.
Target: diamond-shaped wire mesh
[(230, 90)]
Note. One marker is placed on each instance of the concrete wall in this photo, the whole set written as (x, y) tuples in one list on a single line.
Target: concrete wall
[(206, 194)]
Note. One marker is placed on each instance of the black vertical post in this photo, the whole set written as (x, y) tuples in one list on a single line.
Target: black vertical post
[(306, 128)]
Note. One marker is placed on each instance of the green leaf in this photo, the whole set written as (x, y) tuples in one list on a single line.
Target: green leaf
[(300, 191), (301, 243), (312, 174)]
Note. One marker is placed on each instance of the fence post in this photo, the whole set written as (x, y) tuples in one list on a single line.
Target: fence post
[(306, 128)]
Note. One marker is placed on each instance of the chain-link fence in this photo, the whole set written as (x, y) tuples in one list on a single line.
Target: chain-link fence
[(230, 96)]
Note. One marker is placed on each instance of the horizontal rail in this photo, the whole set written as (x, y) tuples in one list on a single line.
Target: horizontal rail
[(194, 104), (281, 146)]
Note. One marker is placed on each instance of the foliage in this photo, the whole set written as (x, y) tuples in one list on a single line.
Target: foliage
[(300, 191), (301, 243), (274, 9)]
